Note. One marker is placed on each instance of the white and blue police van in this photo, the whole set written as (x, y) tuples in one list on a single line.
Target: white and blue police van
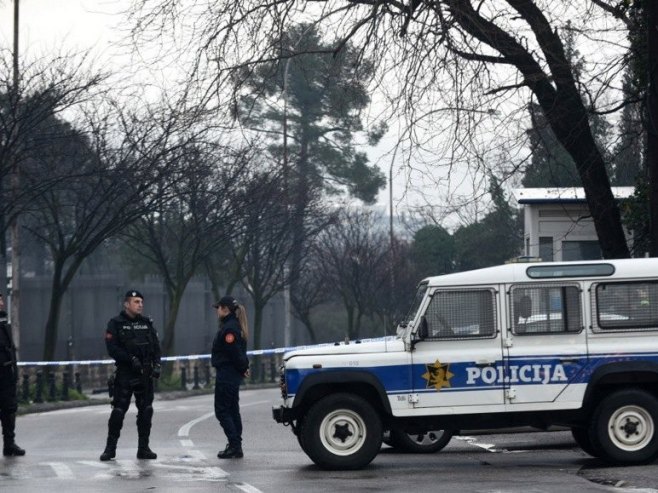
[(571, 344)]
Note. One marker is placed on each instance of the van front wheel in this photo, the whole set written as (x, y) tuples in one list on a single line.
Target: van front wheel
[(342, 432)]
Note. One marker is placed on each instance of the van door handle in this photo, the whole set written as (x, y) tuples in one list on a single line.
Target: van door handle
[(483, 363)]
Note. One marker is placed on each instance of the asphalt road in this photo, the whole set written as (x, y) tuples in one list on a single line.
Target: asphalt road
[(64, 446)]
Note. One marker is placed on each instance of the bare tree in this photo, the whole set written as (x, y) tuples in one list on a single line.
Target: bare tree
[(198, 216), (478, 64), (354, 254), (109, 178), (310, 290), (48, 87)]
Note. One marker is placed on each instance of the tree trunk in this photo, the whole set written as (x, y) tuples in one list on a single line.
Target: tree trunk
[(350, 321), (306, 320), (571, 126), (52, 322), (301, 199), (169, 340), (256, 362), (651, 12), (562, 105)]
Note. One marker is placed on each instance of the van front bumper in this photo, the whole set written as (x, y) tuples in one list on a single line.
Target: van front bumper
[(282, 414)]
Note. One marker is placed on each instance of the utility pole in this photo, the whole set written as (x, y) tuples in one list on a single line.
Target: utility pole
[(13, 277)]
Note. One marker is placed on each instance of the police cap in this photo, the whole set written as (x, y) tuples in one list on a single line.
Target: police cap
[(133, 293), (227, 301)]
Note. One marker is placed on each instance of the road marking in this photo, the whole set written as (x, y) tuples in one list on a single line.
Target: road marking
[(187, 443), (184, 430), (212, 473), (92, 463), (489, 447), (247, 488), (62, 471)]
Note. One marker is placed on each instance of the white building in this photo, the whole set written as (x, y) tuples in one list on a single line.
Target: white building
[(558, 225)]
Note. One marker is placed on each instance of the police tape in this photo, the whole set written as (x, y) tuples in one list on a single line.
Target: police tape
[(193, 357)]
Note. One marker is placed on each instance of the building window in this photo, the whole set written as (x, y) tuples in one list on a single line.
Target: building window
[(546, 248), (581, 250)]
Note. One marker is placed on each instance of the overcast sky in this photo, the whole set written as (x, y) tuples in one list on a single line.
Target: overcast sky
[(50, 26)]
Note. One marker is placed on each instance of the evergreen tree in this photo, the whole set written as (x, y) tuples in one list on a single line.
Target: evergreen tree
[(492, 241), (433, 251), (551, 165), (313, 135)]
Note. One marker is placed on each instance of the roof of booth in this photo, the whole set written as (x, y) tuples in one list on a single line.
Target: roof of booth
[(562, 195)]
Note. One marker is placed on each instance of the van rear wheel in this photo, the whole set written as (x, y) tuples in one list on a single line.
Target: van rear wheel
[(421, 443), (624, 427)]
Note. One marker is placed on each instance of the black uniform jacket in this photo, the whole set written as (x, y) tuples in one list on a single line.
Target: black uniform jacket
[(229, 349), (7, 347), (127, 337)]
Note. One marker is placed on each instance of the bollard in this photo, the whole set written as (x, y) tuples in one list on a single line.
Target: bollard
[(38, 397), (51, 387), (78, 382), (207, 375), (196, 378), (183, 377), (26, 387), (65, 386)]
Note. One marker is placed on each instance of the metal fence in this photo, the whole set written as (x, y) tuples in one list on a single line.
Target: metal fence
[(41, 381)]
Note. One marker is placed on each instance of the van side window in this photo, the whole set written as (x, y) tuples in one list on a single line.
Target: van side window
[(626, 305), (461, 314), (542, 309)]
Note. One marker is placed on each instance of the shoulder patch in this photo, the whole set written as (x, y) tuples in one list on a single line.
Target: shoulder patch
[(229, 338), (108, 336)]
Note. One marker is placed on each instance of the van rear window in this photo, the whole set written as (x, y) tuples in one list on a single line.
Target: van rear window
[(627, 305)]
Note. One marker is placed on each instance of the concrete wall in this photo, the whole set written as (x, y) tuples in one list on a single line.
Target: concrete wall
[(92, 300)]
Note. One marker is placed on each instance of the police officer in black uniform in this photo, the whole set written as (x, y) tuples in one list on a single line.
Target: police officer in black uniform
[(133, 343), (229, 357), (8, 379)]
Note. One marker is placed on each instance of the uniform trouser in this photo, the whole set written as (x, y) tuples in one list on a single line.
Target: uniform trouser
[(227, 411), (8, 402), (124, 388)]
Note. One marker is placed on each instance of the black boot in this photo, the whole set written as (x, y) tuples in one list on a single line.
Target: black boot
[(12, 449), (8, 426), (143, 450), (110, 449), (231, 452)]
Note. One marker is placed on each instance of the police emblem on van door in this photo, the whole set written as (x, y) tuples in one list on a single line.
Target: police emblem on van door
[(437, 375)]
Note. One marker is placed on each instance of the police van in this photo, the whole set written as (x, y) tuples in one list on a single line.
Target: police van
[(573, 344)]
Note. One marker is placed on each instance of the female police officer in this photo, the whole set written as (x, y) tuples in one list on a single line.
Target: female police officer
[(229, 357)]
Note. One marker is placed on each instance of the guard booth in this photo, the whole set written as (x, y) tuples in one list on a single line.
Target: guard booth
[(558, 225)]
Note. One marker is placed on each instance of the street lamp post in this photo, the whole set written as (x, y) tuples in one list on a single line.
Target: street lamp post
[(13, 277)]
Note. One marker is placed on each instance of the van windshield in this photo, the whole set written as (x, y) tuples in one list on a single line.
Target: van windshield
[(415, 305)]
